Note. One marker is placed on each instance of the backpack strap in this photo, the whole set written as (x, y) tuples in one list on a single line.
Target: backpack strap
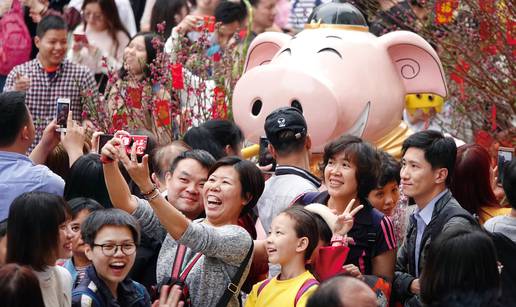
[(304, 287), (88, 292), (262, 285)]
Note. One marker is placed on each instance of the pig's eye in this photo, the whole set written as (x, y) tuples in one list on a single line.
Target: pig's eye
[(286, 51), (330, 50)]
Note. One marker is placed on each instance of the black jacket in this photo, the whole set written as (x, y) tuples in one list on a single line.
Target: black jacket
[(92, 291), (447, 215)]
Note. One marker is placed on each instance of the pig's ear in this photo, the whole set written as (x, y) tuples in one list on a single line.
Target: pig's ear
[(416, 62), (264, 47)]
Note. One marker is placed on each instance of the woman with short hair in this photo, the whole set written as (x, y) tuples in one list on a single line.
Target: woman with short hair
[(351, 168)]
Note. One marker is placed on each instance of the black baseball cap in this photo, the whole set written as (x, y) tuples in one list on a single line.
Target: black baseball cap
[(286, 118)]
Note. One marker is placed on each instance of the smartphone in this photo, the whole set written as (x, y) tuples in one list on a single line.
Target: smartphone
[(62, 109), (80, 38), (140, 140), (265, 157), (103, 139), (505, 155)]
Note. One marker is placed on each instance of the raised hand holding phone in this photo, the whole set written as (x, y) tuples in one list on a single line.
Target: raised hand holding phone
[(505, 155), (79, 41), (73, 139), (62, 113), (139, 172)]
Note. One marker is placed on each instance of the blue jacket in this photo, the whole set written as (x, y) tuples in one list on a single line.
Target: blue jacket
[(93, 292)]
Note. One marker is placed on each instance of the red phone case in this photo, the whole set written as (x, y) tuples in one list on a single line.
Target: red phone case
[(140, 140)]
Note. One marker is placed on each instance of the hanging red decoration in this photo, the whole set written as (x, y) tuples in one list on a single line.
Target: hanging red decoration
[(219, 108), (177, 76), (493, 118), (511, 32), (134, 97), (461, 69), (162, 112), (119, 121)]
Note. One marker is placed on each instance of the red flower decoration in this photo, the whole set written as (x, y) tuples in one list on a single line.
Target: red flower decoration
[(161, 27), (444, 10)]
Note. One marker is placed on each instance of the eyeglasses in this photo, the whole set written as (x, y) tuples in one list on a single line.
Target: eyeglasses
[(110, 249)]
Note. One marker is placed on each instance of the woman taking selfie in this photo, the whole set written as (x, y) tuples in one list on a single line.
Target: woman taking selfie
[(219, 249)]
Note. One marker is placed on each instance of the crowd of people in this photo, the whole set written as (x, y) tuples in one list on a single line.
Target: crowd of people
[(177, 227), (86, 222)]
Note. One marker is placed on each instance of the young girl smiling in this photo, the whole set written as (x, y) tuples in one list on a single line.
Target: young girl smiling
[(291, 241)]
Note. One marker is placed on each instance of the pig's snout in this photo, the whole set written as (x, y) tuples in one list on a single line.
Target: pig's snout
[(266, 88)]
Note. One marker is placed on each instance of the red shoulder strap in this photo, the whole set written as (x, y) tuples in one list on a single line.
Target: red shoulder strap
[(189, 267), (178, 261), (304, 287), (263, 284)]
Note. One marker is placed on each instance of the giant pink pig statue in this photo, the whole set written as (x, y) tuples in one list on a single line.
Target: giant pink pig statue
[(345, 80)]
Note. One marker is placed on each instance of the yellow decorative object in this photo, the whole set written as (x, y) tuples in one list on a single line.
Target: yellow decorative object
[(250, 151), (423, 101)]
